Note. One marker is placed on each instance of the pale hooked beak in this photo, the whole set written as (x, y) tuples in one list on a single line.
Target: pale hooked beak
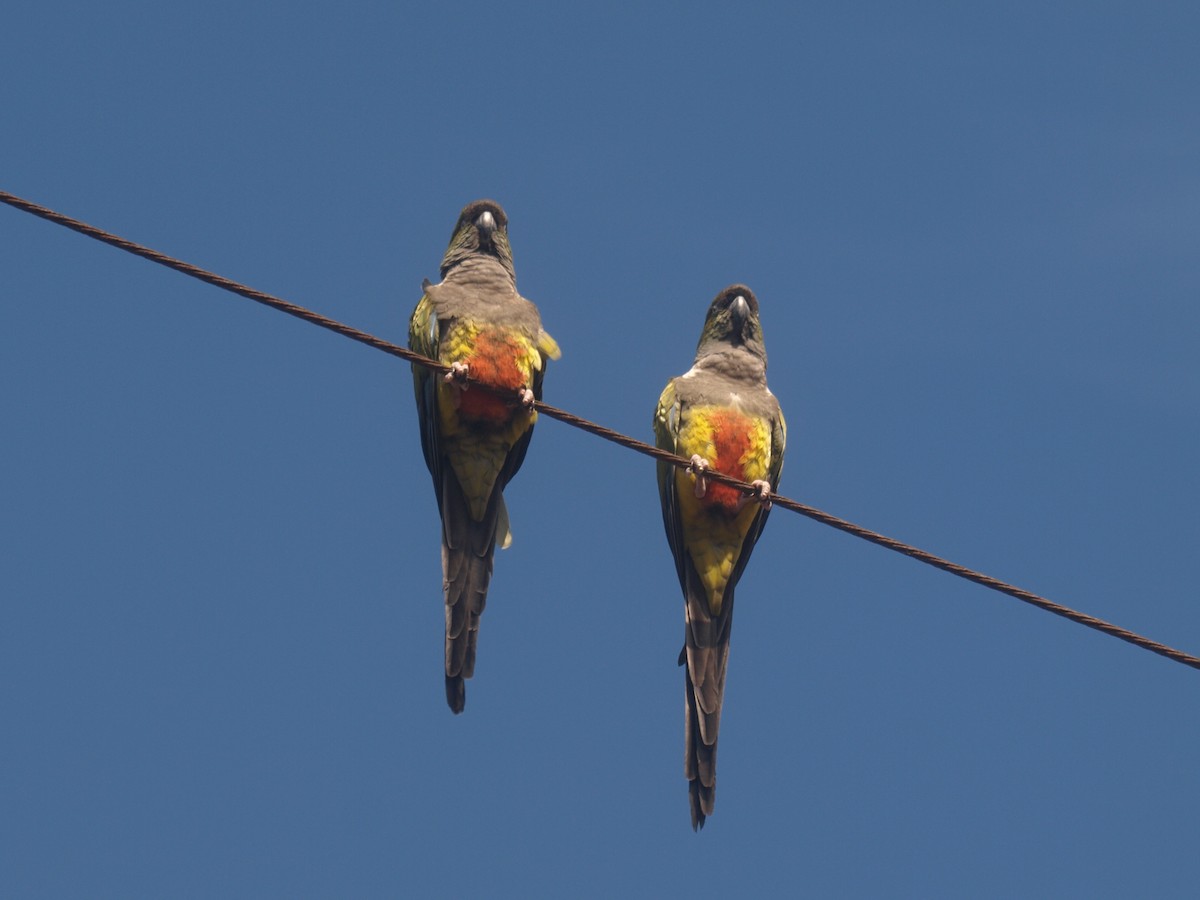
[(740, 310), (486, 222)]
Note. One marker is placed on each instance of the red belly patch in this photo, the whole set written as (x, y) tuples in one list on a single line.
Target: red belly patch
[(731, 441), (494, 361)]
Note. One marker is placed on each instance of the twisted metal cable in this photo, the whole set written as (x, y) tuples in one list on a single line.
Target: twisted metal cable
[(608, 434)]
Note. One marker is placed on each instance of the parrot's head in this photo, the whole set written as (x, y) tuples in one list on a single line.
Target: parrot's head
[(732, 321), (482, 229)]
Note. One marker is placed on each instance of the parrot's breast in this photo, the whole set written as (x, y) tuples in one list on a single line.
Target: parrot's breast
[(480, 428), (734, 444), (715, 525), (498, 359), (733, 454)]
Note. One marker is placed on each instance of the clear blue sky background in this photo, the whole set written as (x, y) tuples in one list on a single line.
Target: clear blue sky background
[(973, 231)]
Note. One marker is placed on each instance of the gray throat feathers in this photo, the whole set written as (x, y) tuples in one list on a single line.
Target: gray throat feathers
[(738, 363), (484, 272)]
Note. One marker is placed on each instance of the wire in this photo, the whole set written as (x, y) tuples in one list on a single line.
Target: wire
[(607, 433)]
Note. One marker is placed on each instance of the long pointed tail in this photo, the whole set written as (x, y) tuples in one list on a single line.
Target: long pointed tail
[(467, 550), (704, 657), (699, 756)]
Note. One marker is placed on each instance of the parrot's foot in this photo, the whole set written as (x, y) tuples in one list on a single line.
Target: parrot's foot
[(457, 375), (698, 467), (761, 495), (525, 398)]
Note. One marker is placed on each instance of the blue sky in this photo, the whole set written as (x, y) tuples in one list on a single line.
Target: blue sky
[(972, 231)]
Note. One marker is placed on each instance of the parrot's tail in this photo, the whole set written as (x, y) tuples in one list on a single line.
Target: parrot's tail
[(699, 759), (467, 550), (704, 657)]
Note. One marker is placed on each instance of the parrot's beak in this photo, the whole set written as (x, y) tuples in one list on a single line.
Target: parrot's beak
[(740, 310)]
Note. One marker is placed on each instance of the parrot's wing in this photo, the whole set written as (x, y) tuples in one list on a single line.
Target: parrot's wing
[(423, 336), (666, 436)]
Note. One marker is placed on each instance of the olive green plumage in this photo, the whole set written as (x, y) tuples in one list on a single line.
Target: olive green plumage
[(721, 411), (474, 441)]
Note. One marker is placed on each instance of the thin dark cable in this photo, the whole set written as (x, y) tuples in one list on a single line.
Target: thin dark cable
[(607, 433), (217, 281)]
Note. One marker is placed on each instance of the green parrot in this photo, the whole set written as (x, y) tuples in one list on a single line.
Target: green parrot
[(722, 416), (474, 441)]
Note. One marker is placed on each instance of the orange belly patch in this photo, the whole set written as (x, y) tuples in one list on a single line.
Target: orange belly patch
[(494, 360), (731, 445)]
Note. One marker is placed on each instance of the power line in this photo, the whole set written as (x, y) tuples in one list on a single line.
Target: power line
[(608, 434)]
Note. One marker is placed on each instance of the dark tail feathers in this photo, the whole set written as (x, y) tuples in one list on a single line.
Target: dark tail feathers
[(467, 550)]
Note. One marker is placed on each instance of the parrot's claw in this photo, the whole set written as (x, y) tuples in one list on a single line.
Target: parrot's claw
[(457, 375), (525, 398), (762, 493), (698, 467)]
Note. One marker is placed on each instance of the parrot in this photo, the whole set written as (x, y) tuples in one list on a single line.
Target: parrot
[(474, 440), (720, 415)]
